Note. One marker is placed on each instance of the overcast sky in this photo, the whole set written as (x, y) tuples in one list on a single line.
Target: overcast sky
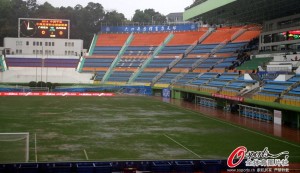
[(128, 7)]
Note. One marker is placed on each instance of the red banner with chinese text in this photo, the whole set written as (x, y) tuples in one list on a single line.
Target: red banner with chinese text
[(56, 94), (235, 98)]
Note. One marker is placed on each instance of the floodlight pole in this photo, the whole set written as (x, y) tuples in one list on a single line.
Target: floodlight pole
[(152, 19), (47, 71), (42, 65), (27, 148), (36, 69)]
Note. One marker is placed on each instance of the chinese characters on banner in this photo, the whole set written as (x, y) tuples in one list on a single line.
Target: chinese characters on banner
[(150, 28)]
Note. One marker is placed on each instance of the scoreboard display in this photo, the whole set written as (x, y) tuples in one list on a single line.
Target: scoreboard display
[(44, 28)]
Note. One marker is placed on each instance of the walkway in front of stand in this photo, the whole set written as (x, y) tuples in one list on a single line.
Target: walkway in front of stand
[(267, 127)]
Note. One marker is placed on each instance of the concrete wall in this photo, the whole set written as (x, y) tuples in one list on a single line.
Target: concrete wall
[(298, 70), (28, 46), (247, 76), (288, 58), (287, 68), (292, 63), (53, 75), (44, 56), (283, 77)]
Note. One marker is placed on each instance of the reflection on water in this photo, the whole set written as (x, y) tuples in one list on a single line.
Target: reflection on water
[(266, 127)]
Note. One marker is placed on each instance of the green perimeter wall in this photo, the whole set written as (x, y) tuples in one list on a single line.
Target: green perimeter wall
[(290, 114), (176, 94), (204, 7)]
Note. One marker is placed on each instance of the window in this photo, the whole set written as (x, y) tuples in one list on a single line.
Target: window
[(66, 52), (52, 43), (49, 43), (270, 26), (17, 51), (268, 38), (33, 52), (53, 51), (19, 43), (46, 43), (37, 43), (41, 43), (69, 44), (20, 51), (72, 44), (34, 43), (41, 52), (27, 43), (66, 44)]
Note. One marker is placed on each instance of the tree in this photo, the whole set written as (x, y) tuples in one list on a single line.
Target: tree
[(93, 14), (140, 17), (89, 22), (32, 6), (114, 18), (41, 84), (78, 7), (18, 9), (148, 16), (66, 13), (46, 11), (11, 10), (49, 85), (84, 21), (5, 25), (32, 84)]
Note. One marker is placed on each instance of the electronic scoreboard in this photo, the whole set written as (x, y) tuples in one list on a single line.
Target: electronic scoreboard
[(44, 28)]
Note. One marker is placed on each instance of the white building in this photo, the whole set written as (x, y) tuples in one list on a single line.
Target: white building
[(175, 17), (26, 52), (43, 46)]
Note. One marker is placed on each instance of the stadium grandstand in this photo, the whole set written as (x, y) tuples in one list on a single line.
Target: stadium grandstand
[(233, 56)]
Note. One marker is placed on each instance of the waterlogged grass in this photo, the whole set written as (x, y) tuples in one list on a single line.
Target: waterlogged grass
[(125, 128)]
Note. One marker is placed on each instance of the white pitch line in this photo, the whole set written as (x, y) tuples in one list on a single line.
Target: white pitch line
[(252, 131), (35, 149), (86, 156), (182, 146), (224, 122)]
